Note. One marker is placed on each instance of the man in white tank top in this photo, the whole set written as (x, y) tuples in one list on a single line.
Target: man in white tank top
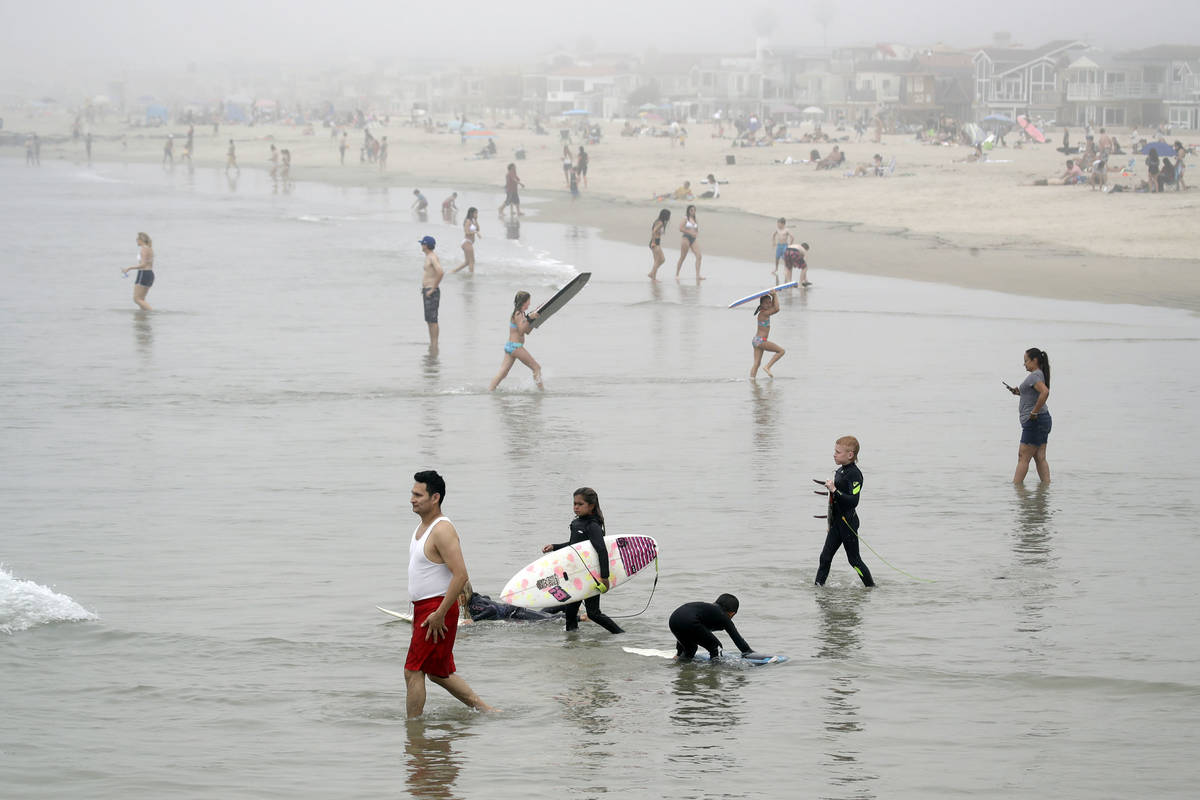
[(436, 575)]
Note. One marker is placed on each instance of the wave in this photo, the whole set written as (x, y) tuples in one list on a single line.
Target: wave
[(25, 604)]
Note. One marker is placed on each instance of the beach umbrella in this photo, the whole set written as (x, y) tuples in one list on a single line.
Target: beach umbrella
[(576, 112), (647, 107), (974, 133), (480, 133), (813, 110), (1162, 148), (651, 117), (997, 118)]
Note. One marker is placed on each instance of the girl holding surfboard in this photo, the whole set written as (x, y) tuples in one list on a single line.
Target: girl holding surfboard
[(768, 305), (519, 324), (588, 526)]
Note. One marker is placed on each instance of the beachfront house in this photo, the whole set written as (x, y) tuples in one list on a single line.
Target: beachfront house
[(1137, 87), (1012, 81), (597, 88)]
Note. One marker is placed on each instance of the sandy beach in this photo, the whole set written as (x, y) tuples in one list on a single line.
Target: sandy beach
[(935, 218)]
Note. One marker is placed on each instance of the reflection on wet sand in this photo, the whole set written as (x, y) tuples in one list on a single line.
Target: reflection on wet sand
[(838, 637), (512, 228), (433, 765)]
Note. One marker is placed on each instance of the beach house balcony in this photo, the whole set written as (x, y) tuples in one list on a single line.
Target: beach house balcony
[(1126, 90)]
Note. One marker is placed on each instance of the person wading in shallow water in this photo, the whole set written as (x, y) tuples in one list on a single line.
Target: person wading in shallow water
[(437, 574)]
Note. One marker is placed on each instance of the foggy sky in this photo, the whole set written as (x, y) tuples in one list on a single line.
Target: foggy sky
[(53, 37)]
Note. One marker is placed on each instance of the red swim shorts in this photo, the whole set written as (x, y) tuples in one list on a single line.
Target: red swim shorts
[(425, 655)]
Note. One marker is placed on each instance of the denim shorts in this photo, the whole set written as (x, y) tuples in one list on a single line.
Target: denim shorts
[(1036, 430)]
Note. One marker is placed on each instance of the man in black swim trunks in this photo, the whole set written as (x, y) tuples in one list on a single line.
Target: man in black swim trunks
[(431, 292), (693, 624)]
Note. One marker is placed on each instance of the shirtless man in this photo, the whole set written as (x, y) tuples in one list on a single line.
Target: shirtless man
[(431, 292), (231, 157)]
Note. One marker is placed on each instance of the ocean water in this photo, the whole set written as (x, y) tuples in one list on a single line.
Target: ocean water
[(202, 506)]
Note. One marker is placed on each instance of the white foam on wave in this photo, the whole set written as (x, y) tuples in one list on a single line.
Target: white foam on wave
[(529, 263), (95, 177), (25, 604)]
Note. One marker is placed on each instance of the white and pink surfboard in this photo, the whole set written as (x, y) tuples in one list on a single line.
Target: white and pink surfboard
[(573, 573)]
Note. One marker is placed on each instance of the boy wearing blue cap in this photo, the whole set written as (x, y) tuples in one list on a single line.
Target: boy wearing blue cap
[(431, 294)]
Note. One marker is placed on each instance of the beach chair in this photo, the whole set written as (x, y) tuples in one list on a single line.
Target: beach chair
[(889, 169)]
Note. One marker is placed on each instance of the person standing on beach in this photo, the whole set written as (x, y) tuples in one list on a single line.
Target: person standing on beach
[(514, 349), (581, 165), (511, 196), (231, 157), (274, 159), (342, 145), (690, 230), (383, 154), (169, 151), (768, 305), (842, 526), (470, 232), (781, 238), (145, 274), (29, 151), (656, 234), (437, 573), (1152, 167), (431, 292), (567, 163), (87, 143), (588, 526), (1034, 415), (420, 204)]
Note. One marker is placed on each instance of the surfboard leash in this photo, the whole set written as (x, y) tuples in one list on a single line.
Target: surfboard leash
[(603, 590), (653, 586), (865, 542), (884, 560)]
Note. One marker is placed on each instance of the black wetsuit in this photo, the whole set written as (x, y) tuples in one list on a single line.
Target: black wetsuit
[(843, 524), (693, 624), (483, 607), (589, 529)]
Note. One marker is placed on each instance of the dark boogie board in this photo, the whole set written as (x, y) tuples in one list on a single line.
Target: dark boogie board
[(560, 299)]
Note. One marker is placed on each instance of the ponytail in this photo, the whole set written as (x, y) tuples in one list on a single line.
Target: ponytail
[(1043, 362)]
